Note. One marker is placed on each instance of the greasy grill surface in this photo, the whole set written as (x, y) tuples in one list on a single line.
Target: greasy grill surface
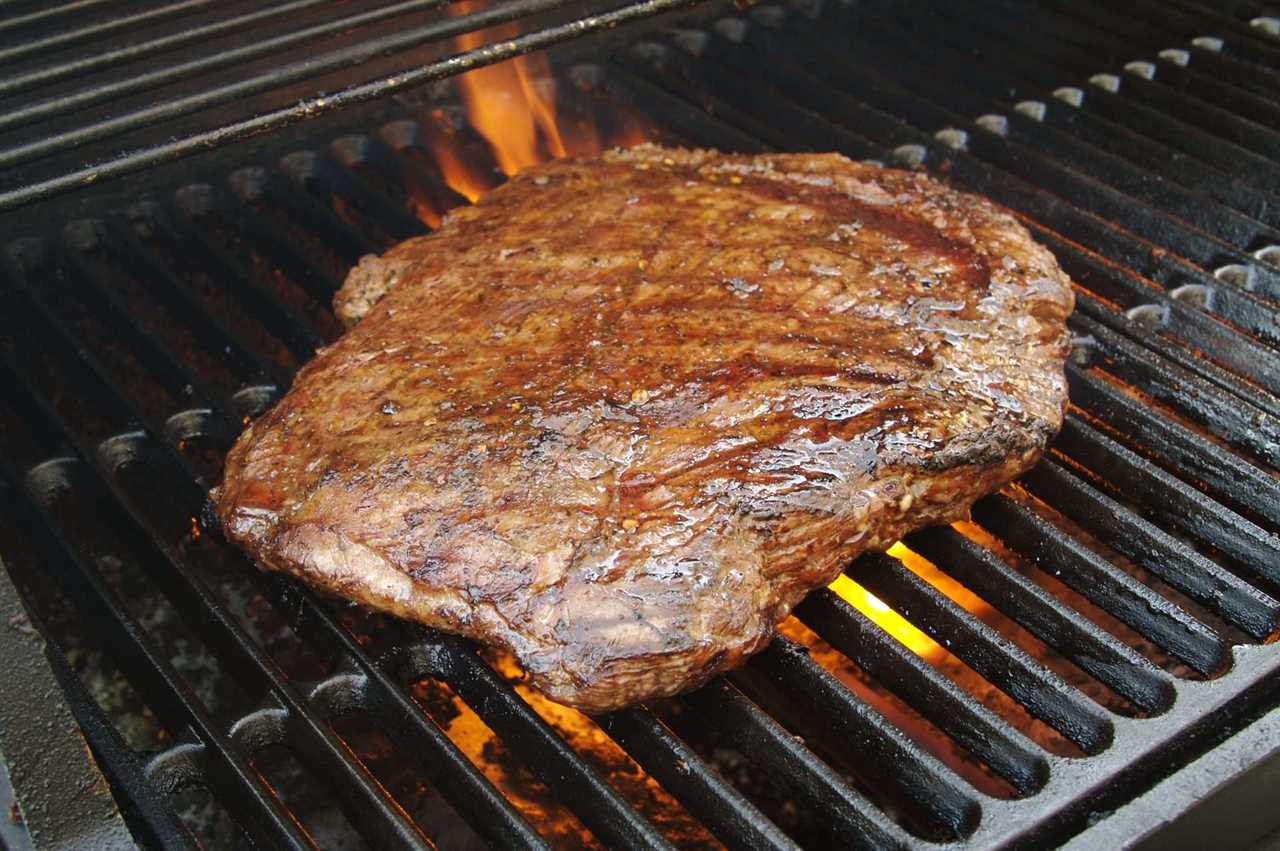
[(1099, 622)]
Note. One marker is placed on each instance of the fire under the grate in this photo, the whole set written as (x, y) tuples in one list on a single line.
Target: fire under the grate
[(296, 225)]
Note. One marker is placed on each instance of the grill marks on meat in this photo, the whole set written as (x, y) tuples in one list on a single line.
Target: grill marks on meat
[(622, 414)]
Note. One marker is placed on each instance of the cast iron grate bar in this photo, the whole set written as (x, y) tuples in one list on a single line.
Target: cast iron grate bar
[(870, 739), (30, 19), (1171, 500), (1062, 555), (679, 73), (853, 821), (660, 752), (287, 717), (1246, 419), (318, 179), (146, 811), (312, 107), (1044, 694), (82, 66), (458, 778), (150, 672), (1052, 125), (1155, 550), (936, 697), (1095, 652), (50, 43)]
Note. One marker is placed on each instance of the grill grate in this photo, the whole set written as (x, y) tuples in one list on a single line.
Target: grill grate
[(1127, 585), (379, 32)]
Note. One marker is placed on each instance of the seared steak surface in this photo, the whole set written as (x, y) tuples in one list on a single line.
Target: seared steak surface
[(623, 413)]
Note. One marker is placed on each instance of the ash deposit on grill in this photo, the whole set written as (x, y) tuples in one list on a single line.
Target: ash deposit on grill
[(700, 406)]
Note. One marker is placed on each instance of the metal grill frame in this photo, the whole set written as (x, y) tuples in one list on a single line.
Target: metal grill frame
[(1126, 753)]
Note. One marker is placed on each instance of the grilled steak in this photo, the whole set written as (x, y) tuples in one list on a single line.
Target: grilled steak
[(623, 413)]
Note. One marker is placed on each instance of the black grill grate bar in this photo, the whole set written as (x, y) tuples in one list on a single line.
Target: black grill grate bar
[(733, 819), (852, 821), (867, 738), (319, 176), (1002, 663), (368, 805), (119, 241), (576, 783), (147, 814), (96, 393), (1172, 501), (402, 138), (1057, 127), (83, 66), (262, 814), (1224, 473), (1026, 197), (1203, 139), (254, 184), (101, 29), (679, 74), (29, 19), (1212, 386), (101, 294), (1200, 82), (1144, 19), (173, 375), (692, 125), (1130, 87), (145, 666), (318, 283), (280, 319), (1261, 80), (1152, 312), (1154, 550), (1060, 554), (278, 77), (1237, 419), (1145, 120), (824, 65), (313, 107), (938, 699), (488, 812), (221, 763), (599, 806), (1037, 611), (1205, 77)]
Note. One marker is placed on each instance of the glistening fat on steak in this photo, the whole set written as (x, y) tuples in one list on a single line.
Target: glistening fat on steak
[(621, 415)]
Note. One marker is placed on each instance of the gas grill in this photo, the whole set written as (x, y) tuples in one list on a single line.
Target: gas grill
[(1089, 662)]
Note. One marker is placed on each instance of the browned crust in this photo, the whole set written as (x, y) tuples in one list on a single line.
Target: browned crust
[(625, 517)]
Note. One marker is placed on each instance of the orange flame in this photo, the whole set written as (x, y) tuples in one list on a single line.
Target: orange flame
[(513, 106), (508, 103), (892, 622)]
